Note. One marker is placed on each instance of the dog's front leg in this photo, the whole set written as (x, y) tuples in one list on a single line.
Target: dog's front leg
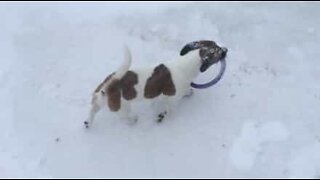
[(169, 104), (188, 93)]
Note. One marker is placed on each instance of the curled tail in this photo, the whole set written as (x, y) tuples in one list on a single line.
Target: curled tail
[(123, 69)]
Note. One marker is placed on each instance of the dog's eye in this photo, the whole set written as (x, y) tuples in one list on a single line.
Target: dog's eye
[(102, 92)]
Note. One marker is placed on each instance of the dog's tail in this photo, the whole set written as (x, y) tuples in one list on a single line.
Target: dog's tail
[(123, 69)]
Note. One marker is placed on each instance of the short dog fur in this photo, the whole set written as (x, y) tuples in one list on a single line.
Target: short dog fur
[(166, 83)]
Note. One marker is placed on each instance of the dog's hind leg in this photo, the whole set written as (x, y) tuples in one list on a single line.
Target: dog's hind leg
[(126, 113), (93, 111), (96, 104)]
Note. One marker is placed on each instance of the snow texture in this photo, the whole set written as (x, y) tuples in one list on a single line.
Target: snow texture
[(261, 121)]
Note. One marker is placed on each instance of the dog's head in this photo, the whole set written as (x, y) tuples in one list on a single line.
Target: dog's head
[(209, 52)]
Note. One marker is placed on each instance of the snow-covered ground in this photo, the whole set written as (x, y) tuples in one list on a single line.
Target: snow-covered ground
[(261, 120)]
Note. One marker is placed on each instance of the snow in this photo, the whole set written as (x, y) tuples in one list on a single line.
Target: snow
[(247, 147), (261, 120)]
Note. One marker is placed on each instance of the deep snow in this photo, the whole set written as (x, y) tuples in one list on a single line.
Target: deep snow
[(261, 120)]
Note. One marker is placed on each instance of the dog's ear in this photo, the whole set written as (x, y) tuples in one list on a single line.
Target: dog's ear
[(196, 45), (189, 47)]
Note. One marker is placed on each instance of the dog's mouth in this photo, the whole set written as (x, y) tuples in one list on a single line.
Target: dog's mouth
[(206, 64), (211, 59), (213, 81)]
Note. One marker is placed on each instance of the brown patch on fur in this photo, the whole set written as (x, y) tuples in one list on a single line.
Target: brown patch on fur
[(114, 95), (127, 85), (124, 85), (159, 82)]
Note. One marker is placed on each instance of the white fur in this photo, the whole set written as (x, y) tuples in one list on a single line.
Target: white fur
[(183, 70), (125, 65)]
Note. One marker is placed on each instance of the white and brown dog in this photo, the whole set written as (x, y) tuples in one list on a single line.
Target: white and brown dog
[(167, 82)]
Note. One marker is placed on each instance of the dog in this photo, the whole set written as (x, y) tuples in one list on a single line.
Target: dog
[(166, 83)]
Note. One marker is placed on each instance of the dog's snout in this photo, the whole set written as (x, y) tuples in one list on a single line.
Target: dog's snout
[(224, 52), (224, 49)]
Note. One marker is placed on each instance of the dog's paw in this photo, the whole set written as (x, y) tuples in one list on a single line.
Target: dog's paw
[(189, 93), (86, 124), (132, 120), (161, 116)]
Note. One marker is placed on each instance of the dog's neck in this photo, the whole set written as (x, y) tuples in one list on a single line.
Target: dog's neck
[(190, 64)]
